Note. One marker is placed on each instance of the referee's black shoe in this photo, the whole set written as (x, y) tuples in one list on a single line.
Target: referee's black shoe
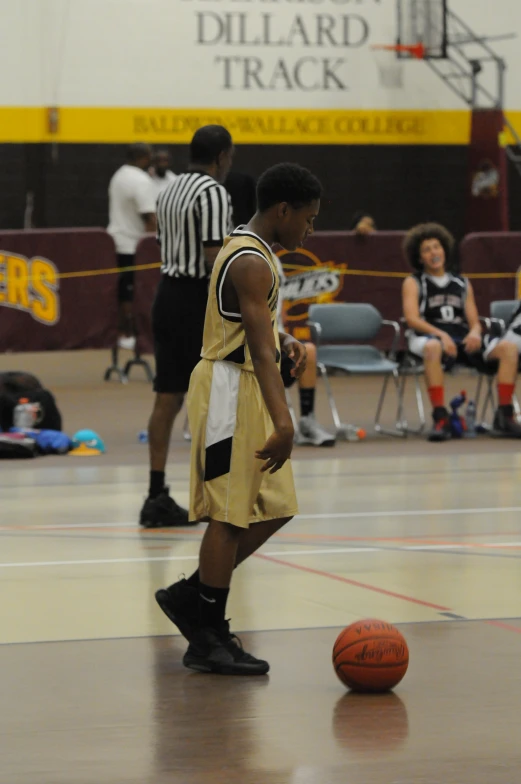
[(163, 512)]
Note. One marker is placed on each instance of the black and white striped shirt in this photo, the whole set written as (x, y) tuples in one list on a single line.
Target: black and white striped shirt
[(192, 212)]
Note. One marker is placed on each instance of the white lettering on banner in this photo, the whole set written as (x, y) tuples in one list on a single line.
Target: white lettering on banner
[(310, 284)]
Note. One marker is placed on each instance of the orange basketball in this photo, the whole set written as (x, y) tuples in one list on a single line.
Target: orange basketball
[(370, 655)]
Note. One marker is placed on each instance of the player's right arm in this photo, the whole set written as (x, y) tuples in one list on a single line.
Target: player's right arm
[(411, 314), (252, 280)]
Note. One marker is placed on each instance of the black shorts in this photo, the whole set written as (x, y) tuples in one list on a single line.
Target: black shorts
[(126, 279), (177, 325), (476, 361), (286, 366)]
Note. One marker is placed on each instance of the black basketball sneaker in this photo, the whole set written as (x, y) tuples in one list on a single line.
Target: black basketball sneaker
[(180, 603), (163, 512), (219, 651), (505, 424), (441, 425)]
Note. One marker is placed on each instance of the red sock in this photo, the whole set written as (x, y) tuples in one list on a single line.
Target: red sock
[(505, 392), (437, 396)]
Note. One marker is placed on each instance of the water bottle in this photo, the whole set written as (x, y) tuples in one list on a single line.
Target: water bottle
[(470, 417), (354, 433), (26, 414), (142, 436)]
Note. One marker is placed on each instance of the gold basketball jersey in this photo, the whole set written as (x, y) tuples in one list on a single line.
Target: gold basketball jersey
[(224, 337)]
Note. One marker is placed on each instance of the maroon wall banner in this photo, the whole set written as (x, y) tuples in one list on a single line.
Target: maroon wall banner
[(348, 268), (487, 187), (58, 289), (41, 311), (492, 254)]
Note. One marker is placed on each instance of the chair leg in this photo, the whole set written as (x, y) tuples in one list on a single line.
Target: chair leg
[(517, 408), (489, 401), (342, 431), (419, 407), (398, 430)]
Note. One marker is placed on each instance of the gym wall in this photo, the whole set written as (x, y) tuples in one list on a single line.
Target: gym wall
[(292, 79)]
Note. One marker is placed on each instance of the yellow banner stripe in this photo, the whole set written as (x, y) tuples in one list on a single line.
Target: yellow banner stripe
[(248, 126)]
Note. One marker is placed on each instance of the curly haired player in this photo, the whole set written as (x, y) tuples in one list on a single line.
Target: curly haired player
[(444, 328)]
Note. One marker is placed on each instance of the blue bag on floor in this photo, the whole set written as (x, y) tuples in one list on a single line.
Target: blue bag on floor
[(49, 442)]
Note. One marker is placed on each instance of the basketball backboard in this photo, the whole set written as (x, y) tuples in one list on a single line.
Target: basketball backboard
[(422, 22)]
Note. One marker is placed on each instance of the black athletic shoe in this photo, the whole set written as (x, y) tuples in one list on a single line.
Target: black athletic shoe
[(163, 512), (221, 652), (180, 603), (441, 425), (505, 424)]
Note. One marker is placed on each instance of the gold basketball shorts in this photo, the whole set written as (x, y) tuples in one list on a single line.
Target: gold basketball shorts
[(229, 422)]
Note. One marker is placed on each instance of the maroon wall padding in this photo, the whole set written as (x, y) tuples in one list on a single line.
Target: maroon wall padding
[(488, 210), (377, 253), (492, 253), (88, 305), (87, 315)]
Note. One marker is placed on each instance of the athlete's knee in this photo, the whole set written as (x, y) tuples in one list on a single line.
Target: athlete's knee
[(505, 351), (433, 351), (168, 403), (311, 351)]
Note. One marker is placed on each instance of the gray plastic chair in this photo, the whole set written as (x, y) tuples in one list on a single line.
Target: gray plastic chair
[(336, 324), (501, 311)]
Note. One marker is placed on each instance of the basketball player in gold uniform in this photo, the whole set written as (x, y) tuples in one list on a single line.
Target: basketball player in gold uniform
[(241, 482)]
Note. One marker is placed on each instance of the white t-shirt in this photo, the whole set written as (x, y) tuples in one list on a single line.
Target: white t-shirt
[(131, 195), (160, 183)]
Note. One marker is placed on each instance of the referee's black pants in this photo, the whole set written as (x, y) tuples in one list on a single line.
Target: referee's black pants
[(177, 325)]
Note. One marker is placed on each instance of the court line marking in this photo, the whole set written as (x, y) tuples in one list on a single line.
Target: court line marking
[(332, 550), (174, 635), (144, 559), (314, 516), (355, 583)]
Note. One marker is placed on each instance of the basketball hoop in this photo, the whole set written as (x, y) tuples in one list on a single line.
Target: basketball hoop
[(417, 51)]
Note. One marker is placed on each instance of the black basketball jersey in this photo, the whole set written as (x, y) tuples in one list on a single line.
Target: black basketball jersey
[(443, 306)]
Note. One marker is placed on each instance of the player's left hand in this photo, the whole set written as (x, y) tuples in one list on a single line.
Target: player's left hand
[(472, 343), (296, 351)]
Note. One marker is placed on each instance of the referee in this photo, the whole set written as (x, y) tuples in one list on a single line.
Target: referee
[(193, 218)]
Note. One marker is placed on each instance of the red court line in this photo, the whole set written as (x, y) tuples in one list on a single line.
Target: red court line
[(507, 626), (355, 583)]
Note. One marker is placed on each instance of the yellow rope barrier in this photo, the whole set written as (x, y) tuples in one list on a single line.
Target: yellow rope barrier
[(294, 267)]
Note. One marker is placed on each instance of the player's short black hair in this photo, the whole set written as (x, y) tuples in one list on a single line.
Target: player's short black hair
[(137, 151), (208, 143), (287, 182), (428, 231)]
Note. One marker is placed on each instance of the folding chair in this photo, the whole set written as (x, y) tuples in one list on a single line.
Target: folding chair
[(332, 327), (501, 311)]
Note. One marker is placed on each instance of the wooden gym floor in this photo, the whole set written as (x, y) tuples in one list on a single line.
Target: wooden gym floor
[(425, 536)]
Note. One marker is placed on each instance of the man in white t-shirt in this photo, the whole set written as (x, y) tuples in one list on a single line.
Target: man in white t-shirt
[(161, 171), (132, 205)]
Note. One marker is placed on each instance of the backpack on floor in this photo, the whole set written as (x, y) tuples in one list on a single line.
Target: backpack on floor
[(15, 385), (13, 445)]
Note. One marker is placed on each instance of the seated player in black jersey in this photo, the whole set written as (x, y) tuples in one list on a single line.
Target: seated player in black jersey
[(444, 328)]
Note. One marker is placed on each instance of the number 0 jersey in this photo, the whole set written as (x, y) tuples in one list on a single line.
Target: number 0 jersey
[(442, 302)]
